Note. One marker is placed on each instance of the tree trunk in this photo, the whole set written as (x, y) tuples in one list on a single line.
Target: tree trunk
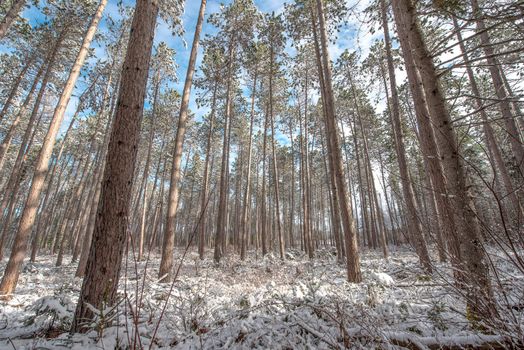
[(292, 189), (304, 171), (334, 202), (109, 237), (353, 260), (476, 279), (414, 227), (166, 264), (263, 204), (143, 185), (224, 168), (275, 168), (73, 210), (247, 190), (205, 179)]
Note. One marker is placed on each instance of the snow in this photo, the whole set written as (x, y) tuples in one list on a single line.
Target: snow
[(382, 278), (257, 303)]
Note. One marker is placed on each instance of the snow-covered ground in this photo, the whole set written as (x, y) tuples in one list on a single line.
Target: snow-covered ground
[(259, 303)]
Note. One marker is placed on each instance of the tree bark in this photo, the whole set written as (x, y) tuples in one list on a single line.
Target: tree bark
[(109, 237), (348, 223), (205, 179), (275, 168), (414, 226), (247, 189), (165, 272)]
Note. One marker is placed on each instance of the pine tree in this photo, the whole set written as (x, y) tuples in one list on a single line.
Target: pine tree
[(110, 229)]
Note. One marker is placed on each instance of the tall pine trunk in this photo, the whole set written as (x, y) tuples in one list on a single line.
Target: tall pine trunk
[(205, 178), (166, 264), (346, 213), (274, 156), (476, 281), (110, 229), (414, 226), (247, 191)]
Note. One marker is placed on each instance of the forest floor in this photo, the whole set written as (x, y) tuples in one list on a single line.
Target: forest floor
[(259, 303)]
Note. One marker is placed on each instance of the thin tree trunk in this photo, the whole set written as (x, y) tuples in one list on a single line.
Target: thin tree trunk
[(292, 189), (247, 189), (336, 221), (353, 260), (73, 210), (305, 176), (166, 264), (205, 179), (224, 168), (414, 227), (83, 218), (303, 212), (227, 215), (275, 168), (333, 205), (143, 185)]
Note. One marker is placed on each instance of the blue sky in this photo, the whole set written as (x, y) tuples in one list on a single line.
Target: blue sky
[(351, 37)]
